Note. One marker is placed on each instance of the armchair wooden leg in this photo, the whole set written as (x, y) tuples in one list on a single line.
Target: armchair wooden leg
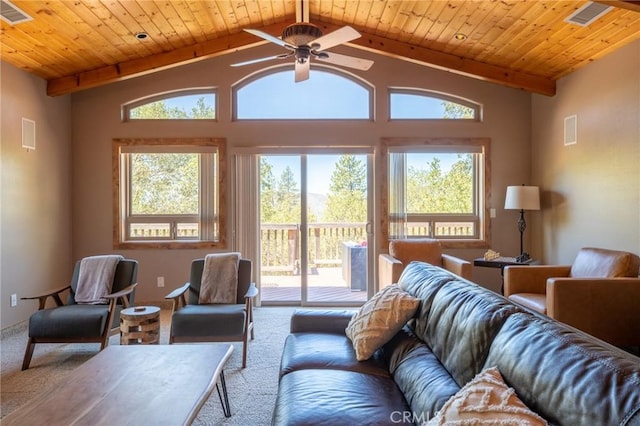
[(28, 353), (244, 352)]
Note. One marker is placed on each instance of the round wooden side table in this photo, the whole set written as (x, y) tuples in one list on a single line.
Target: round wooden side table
[(140, 325)]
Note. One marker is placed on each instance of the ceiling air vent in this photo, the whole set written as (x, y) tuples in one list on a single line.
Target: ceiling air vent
[(588, 13), (12, 14)]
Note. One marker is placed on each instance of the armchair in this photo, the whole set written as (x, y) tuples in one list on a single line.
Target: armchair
[(192, 321), (598, 294), (77, 322), (401, 252)]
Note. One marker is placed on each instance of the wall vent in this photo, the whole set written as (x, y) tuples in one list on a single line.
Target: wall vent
[(28, 134), (588, 13), (12, 14), (571, 130)]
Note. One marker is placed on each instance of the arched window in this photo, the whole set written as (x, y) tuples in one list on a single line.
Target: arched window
[(188, 104), (414, 104), (327, 94)]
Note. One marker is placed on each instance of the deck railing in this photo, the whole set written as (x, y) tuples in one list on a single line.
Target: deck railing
[(281, 244)]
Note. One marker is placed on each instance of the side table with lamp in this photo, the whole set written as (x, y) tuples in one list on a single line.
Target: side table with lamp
[(517, 198)]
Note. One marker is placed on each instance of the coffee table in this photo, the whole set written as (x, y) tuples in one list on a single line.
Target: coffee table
[(142, 384)]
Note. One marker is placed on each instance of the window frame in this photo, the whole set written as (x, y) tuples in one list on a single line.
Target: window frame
[(446, 97), (240, 84), (121, 205), (481, 190), (127, 107)]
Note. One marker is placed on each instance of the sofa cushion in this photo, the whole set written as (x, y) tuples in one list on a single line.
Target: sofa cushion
[(326, 351), (486, 400), (568, 377), (423, 281), (420, 249), (462, 323), (337, 397), (379, 319), (421, 377), (603, 263)]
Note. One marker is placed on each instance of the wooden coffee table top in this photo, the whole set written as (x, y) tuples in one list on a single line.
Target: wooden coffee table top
[(146, 384)]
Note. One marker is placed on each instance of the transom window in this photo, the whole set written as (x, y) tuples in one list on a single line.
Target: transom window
[(414, 104), (188, 104), (325, 95), (169, 192), (436, 188)]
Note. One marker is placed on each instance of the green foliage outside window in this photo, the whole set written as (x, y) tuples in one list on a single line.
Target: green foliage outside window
[(164, 184), (431, 190), (161, 109), (347, 201)]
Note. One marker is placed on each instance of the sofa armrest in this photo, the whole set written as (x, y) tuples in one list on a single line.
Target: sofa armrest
[(458, 266), (320, 321), (606, 308), (532, 278), (389, 270)]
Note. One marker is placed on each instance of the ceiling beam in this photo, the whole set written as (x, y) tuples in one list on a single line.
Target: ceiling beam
[(243, 40), (149, 64), (622, 4), (451, 63)]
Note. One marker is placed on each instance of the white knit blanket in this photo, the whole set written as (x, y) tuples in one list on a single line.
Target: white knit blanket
[(95, 278), (219, 283)]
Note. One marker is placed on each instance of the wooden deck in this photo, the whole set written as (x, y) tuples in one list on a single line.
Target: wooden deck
[(324, 285)]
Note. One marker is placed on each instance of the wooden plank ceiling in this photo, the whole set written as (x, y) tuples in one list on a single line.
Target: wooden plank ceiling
[(78, 44)]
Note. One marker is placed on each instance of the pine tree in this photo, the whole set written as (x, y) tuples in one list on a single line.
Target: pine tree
[(347, 200)]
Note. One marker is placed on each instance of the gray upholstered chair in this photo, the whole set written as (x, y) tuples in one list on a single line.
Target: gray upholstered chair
[(81, 323), (195, 322)]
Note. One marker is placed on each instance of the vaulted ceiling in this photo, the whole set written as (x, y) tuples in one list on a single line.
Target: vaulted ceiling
[(78, 44)]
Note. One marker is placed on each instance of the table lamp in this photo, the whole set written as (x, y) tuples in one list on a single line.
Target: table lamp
[(522, 198)]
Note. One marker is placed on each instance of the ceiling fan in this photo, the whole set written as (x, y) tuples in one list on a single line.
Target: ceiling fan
[(305, 41)]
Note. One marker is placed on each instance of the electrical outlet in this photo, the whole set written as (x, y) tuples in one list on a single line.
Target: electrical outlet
[(14, 300), (160, 281), (492, 213)]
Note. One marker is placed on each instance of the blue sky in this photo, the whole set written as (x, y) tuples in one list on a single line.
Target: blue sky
[(332, 96)]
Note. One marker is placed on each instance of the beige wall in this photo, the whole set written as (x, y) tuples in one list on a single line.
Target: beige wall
[(591, 189), (35, 192), (96, 120)]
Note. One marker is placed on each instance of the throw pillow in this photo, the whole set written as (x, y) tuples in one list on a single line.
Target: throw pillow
[(486, 400), (379, 319)]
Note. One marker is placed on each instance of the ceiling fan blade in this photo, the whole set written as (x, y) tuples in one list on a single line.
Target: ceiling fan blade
[(347, 61), (268, 58), (343, 35), (270, 38), (302, 71)]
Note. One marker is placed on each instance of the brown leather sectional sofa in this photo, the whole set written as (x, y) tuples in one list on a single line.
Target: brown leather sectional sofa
[(460, 328)]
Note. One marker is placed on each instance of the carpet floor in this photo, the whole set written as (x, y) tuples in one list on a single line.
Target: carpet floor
[(252, 390)]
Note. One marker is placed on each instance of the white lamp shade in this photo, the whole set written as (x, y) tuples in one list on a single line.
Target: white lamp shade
[(522, 198)]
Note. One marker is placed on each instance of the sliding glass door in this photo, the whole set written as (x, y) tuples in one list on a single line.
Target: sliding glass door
[(314, 229)]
